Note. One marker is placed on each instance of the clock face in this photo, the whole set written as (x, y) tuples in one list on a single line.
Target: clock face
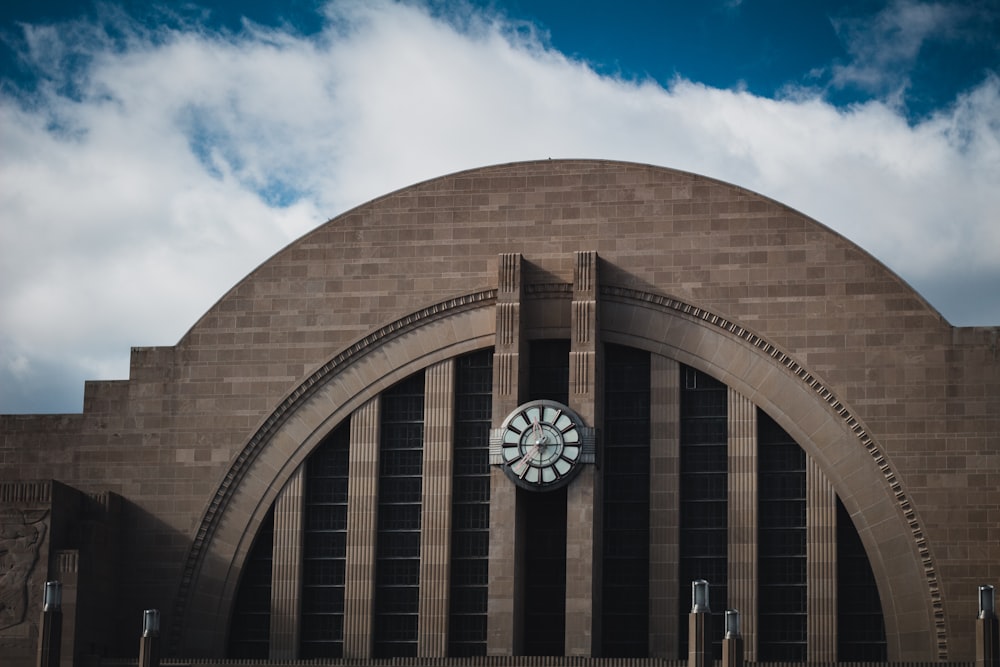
[(541, 445)]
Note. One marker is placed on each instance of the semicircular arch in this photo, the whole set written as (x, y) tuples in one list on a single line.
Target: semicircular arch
[(824, 426), (807, 409), (286, 437)]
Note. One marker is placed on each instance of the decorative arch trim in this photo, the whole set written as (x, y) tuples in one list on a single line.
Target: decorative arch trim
[(827, 396), (244, 460), (632, 298)]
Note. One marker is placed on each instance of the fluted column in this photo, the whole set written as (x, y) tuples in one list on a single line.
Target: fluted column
[(503, 636), (742, 569), (583, 496), (435, 533), (821, 560), (362, 511), (286, 568), (664, 499)]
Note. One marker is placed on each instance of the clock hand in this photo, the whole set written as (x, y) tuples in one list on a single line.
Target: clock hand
[(524, 462)]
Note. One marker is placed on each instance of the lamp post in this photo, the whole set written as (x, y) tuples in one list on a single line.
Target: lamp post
[(987, 632), (149, 643), (732, 641), (698, 645), (50, 632)]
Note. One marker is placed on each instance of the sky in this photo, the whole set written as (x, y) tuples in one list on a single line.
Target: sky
[(153, 154)]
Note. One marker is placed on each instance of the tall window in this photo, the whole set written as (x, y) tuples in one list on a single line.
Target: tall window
[(470, 523), (549, 376), (860, 625), (545, 520), (325, 547), (704, 467), (625, 609), (250, 630), (397, 550), (781, 493)]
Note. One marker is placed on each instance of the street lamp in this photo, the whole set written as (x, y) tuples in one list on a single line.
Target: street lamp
[(699, 597), (698, 645), (50, 632), (732, 642), (149, 643), (987, 604), (987, 630)]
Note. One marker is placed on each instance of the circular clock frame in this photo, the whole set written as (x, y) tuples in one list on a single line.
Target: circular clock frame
[(542, 445)]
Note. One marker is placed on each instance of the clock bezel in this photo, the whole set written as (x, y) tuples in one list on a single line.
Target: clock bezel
[(513, 431)]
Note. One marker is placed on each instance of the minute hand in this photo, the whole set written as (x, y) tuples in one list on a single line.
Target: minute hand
[(523, 464)]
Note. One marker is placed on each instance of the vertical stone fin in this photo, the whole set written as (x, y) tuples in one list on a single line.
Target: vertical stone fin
[(821, 568), (362, 511), (664, 500), (742, 518), (286, 568), (435, 533)]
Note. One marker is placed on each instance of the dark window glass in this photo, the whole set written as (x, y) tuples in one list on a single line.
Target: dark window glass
[(397, 552), (249, 633), (545, 571), (625, 608), (704, 467), (324, 547), (860, 625), (549, 378), (781, 484), (470, 534)]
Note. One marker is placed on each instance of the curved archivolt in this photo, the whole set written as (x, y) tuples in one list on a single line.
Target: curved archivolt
[(222, 499)]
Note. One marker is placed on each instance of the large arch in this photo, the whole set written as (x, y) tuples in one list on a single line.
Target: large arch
[(797, 399)]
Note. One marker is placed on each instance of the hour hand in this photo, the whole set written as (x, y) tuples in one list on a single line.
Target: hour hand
[(537, 432), (521, 467)]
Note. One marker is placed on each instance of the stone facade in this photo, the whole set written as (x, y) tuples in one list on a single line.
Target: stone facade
[(898, 411)]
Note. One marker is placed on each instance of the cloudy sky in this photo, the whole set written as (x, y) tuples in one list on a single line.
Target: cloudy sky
[(151, 155)]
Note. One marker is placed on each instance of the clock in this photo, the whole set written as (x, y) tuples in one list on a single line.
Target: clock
[(541, 445)]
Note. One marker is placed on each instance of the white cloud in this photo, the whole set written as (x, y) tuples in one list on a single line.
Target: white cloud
[(884, 48), (181, 160)]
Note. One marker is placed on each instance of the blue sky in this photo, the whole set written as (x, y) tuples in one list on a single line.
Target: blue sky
[(151, 155)]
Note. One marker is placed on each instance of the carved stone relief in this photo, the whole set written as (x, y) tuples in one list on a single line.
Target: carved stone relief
[(22, 533)]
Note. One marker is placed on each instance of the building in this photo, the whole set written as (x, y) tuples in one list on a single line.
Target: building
[(515, 411)]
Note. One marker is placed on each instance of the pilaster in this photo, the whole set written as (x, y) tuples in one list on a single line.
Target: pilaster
[(435, 537), (821, 565), (362, 511), (286, 568), (583, 500), (664, 499), (742, 518), (502, 633)]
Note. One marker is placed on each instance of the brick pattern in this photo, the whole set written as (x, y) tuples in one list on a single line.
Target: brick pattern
[(908, 437)]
